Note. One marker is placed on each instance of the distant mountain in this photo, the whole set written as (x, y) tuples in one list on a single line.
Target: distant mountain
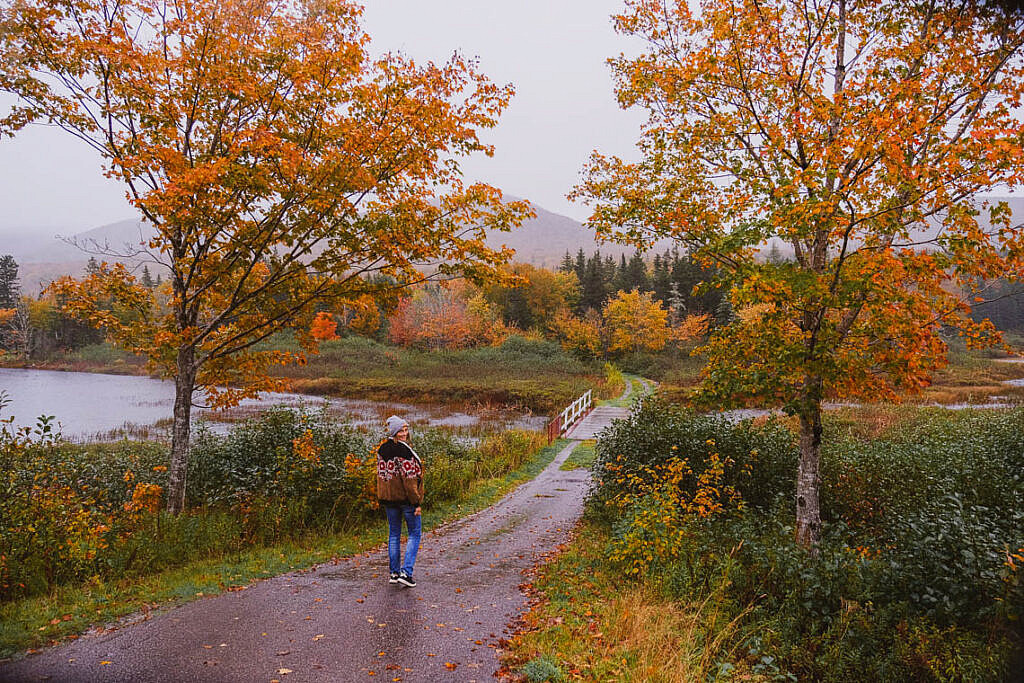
[(541, 241), (42, 259)]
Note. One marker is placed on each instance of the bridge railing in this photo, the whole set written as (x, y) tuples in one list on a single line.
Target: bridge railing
[(568, 417)]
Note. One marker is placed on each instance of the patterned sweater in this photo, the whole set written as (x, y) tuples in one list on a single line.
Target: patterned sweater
[(399, 474)]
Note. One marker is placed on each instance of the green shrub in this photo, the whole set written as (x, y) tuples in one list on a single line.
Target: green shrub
[(542, 669), (918, 572), (656, 431), (104, 354), (258, 459), (69, 512)]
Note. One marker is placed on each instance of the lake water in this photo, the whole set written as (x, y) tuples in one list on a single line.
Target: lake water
[(90, 405)]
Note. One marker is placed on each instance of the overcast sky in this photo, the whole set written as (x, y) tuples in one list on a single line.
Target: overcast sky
[(553, 51)]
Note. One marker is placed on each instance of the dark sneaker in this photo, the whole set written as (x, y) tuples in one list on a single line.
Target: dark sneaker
[(393, 578), (406, 580)]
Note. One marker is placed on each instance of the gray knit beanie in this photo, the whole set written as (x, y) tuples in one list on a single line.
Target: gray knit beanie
[(394, 423)]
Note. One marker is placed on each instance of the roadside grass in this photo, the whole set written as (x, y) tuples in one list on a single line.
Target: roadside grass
[(620, 401), (639, 387), (68, 611), (586, 625), (582, 457)]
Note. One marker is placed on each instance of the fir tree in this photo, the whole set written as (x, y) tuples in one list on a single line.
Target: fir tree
[(10, 289), (661, 278), (593, 285), (676, 304), (581, 265), (567, 265), (636, 274)]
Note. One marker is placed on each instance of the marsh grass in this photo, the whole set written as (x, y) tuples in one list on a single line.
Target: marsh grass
[(528, 374)]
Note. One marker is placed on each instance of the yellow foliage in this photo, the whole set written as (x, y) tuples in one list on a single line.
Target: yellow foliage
[(305, 449), (636, 322), (580, 336), (660, 499), (148, 497)]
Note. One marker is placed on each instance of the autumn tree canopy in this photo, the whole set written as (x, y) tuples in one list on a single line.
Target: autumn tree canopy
[(636, 322), (278, 161), (449, 315), (858, 133)]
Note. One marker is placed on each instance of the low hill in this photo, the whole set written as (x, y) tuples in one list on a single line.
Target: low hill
[(542, 241)]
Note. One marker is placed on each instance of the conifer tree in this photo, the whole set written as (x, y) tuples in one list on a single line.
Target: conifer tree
[(10, 289)]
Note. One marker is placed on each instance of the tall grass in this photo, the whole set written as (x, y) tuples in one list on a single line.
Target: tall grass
[(529, 374)]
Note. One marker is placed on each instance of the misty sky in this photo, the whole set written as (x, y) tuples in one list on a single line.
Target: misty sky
[(553, 51)]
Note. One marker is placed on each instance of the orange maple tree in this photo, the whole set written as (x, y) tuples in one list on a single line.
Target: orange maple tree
[(323, 327), (449, 315), (277, 161), (857, 133)]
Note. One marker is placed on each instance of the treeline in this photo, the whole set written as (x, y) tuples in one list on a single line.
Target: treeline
[(682, 285), (594, 306), (40, 328)]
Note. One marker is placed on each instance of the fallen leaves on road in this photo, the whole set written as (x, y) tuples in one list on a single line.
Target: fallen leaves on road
[(451, 666)]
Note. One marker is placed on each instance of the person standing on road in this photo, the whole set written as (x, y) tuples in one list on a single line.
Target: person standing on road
[(400, 491)]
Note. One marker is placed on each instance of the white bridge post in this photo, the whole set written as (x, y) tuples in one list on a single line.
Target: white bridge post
[(578, 408)]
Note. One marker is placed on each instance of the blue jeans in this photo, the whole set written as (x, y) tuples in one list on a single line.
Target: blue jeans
[(412, 522)]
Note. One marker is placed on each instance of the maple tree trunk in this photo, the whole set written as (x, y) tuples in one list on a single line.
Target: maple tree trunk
[(184, 386), (808, 479)]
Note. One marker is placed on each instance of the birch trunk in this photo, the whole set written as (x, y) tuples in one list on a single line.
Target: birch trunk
[(184, 387), (808, 478)]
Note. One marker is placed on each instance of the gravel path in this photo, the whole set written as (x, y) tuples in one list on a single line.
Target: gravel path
[(343, 621)]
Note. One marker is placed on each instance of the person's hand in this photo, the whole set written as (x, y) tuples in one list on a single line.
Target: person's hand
[(417, 512)]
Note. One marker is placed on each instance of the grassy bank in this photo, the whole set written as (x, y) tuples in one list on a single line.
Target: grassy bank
[(102, 358), (523, 374), (971, 377), (686, 568), (533, 375), (283, 492), (526, 374)]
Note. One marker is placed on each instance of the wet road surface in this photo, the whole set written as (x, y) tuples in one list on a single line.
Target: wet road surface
[(340, 621)]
